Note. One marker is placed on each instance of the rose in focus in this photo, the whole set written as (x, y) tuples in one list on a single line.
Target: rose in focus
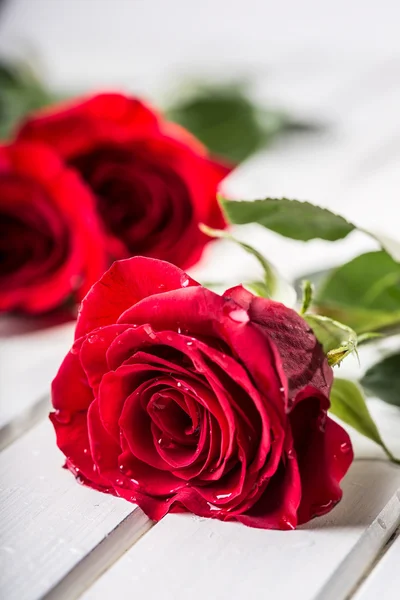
[(179, 399), (48, 228), (153, 182)]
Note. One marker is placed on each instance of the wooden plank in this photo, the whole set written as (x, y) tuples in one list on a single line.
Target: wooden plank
[(196, 557), (28, 362), (355, 566), (56, 536), (384, 580)]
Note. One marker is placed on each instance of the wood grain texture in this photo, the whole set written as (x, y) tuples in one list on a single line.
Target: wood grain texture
[(384, 580), (199, 558), (28, 362), (56, 536)]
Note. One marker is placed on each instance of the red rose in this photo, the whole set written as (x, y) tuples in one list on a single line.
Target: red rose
[(179, 399), (48, 229), (153, 181)]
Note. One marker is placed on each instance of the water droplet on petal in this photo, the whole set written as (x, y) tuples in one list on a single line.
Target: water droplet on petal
[(239, 315), (179, 330), (85, 451), (92, 339), (291, 453), (285, 523), (161, 286), (80, 479), (184, 281), (189, 343), (159, 405), (179, 384), (149, 332), (345, 447), (63, 416)]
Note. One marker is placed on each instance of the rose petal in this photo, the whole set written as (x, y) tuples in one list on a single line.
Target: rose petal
[(77, 395), (122, 286)]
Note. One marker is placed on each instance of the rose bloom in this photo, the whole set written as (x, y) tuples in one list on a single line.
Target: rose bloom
[(153, 182), (48, 228), (179, 399)]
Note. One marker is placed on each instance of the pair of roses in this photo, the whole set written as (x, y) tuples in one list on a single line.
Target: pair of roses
[(102, 179)]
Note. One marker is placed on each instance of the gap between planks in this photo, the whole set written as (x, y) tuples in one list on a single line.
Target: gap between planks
[(56, 537), (200, 557), (384, 576)]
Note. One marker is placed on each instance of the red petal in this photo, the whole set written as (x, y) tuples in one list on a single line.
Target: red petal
[(70, 389), (122, 286), (75, 127)]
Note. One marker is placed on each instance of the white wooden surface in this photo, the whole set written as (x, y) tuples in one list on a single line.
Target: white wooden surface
[(49, 524), (385, 577), (335, 62)]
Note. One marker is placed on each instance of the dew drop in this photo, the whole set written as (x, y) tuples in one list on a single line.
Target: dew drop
[(382, 523), (74, 350), (179, 384), (159, 405), (184, 281), (85, 451), (179, 330), (120, 482), (291, 453), (80, 479), (239, 315), (161, 286), (92, 339), (149, 332), (63, 416), (189, 343), (345, 447), (285, 523)]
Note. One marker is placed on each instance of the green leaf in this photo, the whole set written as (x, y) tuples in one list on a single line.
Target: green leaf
[(364, 293), (291, 218), (348, 404), (20, 93), (308, 293), (272, 285), (338, 340), (226, 120), (383, 380)]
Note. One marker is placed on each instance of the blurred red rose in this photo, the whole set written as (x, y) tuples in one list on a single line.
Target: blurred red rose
[(176, 398), (153, 181), (48, 229)]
